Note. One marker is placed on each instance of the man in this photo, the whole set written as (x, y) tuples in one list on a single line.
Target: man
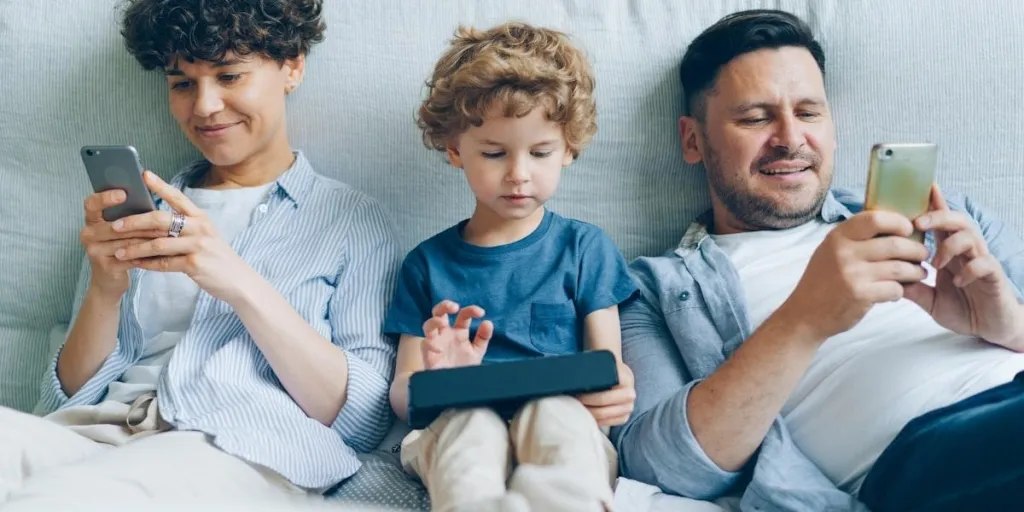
[(791, 336)]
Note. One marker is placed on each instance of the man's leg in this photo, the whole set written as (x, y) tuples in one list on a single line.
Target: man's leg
[(565, 461), (30, 445), (171, 467), (463, 460), (967, 456)]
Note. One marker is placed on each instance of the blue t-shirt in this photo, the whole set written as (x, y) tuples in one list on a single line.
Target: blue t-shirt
[(536, 291)]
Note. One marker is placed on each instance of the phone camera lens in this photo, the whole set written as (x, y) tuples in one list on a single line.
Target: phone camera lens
[(885, 154), (88, 152)]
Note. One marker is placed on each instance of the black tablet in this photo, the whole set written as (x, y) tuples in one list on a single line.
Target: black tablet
[(505, 387)]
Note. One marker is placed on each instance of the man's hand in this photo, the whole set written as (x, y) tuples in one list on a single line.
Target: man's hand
[(864, 261), (446, 346), (612, 407), (972, 294)]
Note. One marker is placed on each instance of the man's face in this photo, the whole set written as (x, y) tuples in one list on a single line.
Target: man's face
[(767, 141)]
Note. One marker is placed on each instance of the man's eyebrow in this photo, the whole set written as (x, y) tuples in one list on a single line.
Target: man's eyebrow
[(764, 105)]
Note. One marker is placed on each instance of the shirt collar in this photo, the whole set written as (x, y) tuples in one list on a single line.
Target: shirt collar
[(296, 182), (832, 211)]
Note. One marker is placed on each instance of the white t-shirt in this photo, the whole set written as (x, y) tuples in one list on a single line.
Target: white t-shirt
[(865, 384), (167, 299)]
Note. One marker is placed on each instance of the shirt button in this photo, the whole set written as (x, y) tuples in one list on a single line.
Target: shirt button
[(685, 296), (263, 208)]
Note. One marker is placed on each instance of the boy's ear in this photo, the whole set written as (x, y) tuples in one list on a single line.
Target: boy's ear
[(567, 159), (454, 157)]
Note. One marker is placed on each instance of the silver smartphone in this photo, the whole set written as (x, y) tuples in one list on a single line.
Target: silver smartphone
[(118, 167), (900, 178)]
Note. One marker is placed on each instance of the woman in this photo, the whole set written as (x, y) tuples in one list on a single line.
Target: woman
[(229, 343)]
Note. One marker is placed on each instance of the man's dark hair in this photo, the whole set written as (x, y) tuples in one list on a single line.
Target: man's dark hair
[(157, 31), (732, 36)]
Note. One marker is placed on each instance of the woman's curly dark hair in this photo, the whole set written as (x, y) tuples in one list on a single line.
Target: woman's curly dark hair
[(157, 31)]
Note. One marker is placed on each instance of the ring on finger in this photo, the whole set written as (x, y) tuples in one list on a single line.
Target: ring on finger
[(177, 224)]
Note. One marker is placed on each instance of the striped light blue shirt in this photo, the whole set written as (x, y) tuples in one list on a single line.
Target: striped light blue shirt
[(331, 251)]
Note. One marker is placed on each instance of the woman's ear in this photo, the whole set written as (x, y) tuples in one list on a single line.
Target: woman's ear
[(295, 69)]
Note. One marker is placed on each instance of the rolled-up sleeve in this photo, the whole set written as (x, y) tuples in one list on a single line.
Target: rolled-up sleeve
[(52, 396), (364, 289), (656, 445)]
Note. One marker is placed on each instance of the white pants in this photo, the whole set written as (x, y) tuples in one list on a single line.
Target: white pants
[(563, 461), (87, 458)]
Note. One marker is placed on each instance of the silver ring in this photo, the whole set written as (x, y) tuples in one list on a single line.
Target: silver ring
[(177, 224)]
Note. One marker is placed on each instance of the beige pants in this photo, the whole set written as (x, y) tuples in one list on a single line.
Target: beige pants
[(112, 454), (563, 461)]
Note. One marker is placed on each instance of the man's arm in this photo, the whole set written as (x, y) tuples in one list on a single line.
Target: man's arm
[(656, 445), (731, 411), (717, 424)]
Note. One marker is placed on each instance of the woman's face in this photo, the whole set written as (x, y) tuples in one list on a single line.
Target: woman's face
[(233, 110)]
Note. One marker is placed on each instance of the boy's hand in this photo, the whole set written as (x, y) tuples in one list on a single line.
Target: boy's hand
[(612, 407), (446, 346)]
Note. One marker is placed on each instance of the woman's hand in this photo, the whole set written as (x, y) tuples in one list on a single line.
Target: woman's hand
[(197, 251), (101, 241)]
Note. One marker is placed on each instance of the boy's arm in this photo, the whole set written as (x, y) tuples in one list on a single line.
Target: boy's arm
[(445, 346), (601, 332), (604, 283)]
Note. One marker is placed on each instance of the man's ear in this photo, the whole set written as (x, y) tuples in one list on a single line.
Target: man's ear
[(690, 137)]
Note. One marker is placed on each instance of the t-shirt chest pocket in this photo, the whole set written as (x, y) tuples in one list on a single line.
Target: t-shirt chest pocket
[(553, 327)]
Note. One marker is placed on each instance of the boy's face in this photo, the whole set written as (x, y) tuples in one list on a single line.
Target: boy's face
[(232, 110), (512, 164)]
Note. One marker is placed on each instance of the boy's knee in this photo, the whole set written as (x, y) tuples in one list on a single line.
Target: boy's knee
[(565, 410), (480, 419)]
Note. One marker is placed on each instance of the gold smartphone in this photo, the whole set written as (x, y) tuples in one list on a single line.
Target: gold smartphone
[(900, 178)]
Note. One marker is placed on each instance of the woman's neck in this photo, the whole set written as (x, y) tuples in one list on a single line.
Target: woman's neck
[(259, 169)]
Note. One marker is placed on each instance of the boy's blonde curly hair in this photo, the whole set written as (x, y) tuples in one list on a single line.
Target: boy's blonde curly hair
[(518, 67)]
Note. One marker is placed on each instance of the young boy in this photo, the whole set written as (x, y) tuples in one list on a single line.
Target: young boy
[(511, 107)]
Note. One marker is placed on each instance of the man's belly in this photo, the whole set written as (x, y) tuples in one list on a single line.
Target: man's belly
[(865, 385)]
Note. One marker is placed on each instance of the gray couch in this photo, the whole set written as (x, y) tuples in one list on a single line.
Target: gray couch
[(946, 71)]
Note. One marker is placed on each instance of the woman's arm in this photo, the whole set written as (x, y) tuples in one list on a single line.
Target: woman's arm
[(93, 335), (90, 340), (410, 361), (311, 369)]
